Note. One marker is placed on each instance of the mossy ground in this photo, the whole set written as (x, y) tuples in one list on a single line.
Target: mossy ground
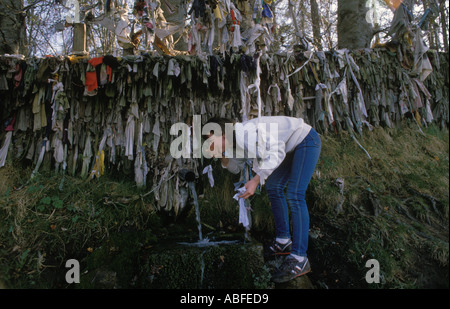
[(394, 208), (214, 267)]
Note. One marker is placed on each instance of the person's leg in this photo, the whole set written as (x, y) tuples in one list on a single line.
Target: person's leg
[(274, 186), (304, 162)]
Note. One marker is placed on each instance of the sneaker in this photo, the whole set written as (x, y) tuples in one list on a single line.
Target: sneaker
[(277, 248), (290, 269)]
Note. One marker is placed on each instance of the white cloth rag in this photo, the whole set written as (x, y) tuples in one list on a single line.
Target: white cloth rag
[(209, 170), (4, 149), (243, 215)]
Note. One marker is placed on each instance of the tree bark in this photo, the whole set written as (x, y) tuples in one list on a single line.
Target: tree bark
[(443, 19), (79, 39), (354, 32), (12, 27), (315, 19)]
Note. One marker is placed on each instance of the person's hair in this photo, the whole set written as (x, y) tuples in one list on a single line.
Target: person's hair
[(221, 122)]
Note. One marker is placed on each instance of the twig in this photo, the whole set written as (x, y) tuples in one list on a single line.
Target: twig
[(354, 138), (157, 187)]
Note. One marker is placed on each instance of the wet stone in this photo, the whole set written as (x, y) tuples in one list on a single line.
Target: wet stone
[(227, 263), (302, 282), (210, 267)]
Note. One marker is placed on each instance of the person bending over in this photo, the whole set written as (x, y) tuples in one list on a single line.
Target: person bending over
[(285, 151)]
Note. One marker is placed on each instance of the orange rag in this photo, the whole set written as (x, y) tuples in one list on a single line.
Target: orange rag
[(91, 77)]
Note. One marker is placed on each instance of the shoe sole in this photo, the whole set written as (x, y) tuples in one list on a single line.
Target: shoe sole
[(303, 273), (296, 276), (281, 253)]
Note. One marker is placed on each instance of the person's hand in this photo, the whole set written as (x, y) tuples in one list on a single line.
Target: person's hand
[(250, 187), (224, 161)]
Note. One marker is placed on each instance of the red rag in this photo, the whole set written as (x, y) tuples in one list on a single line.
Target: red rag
[(91, 77), (91, 81), (11, 125), (96, 61), (108, 72)]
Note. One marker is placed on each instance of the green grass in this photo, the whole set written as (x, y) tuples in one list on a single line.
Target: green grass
[(395, 207), (42, 226)]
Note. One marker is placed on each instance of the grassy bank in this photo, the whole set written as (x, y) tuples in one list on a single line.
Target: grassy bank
[(393, 207)]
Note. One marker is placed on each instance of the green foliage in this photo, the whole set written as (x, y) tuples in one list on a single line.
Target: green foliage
[(48, 202), (395, 209)]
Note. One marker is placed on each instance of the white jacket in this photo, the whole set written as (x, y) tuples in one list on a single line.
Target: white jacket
[(266, 140)]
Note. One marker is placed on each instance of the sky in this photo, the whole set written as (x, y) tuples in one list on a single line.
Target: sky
[(382, 12)]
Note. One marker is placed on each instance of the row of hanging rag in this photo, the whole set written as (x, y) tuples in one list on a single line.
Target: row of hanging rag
[(213, 25), (245, 25), (87, 116)]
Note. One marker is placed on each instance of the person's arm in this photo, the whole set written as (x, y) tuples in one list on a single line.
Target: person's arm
[(231, 165), (273, 152)]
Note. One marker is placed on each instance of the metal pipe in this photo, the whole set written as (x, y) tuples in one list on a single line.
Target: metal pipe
[(186, 175)]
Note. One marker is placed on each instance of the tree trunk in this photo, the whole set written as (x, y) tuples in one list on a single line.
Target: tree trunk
[(298, 31), (12, 27), (444, 24), (315, 19), (354, 32), (79, 39), (426, 27)]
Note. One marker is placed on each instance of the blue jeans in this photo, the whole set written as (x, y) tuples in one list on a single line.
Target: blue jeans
[(295, 171)]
